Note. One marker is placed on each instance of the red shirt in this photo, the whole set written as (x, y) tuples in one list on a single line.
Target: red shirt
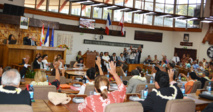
[(96, 103)]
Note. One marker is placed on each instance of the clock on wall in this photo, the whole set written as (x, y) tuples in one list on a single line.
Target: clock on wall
[(210, 52)]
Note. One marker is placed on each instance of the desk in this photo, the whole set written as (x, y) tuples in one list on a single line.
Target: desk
[(200, 103), (47, 106)]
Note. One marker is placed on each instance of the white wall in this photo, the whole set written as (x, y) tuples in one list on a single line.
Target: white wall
[(170, 39), (14, 2)]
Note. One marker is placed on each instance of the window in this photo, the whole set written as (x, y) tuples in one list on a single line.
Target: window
[(148, 19), (29, 3), (64, 6), (158, 21), (169, 9), (86, 10), (128, 17), (168, 22), (97, 12), (117, 15), (53, 5), (129, 3), (181, 9), (119, 2), (139, 4), (159, 7), (180, 23), (106, 11), (41, 5), (138, 18), (76, 9), (149, 6)]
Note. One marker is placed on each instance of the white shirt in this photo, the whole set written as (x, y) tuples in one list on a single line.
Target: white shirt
[(45, 64), (83, 87), (105, 58), (176, 58), (60, 65), (40, 63), (132, 56)]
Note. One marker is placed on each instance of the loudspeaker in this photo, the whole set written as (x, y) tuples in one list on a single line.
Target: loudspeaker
[(13, 10)]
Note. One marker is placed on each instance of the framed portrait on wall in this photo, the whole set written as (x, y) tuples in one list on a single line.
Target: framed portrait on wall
[(186, 37), (24, 22)]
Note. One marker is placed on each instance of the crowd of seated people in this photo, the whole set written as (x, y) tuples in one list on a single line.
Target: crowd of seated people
[(163, 73)]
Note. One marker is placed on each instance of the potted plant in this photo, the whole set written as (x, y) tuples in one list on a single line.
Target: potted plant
[(30, 74)]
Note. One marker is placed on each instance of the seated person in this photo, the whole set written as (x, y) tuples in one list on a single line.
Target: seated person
[(11, 40), (122, 60), (45, 62), (41, 79), (78, 56), (106, 59), (154, 71), (60, 60), (79, 63), (203, 78), (148, 60), (155, 60), (38, 64), (91, 74), (188, 65), (134, 81), (10, 93), (190, 81), (23, 60), (114, 58), (104, 97), (29, 40), (201, 66), (157, 99), (176, 59), (195, 65), (172, 66)]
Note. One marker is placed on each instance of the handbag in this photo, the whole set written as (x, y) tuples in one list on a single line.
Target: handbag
[(58, 98)]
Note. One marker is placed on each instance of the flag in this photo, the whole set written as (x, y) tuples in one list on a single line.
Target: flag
[(42, 36), (108, 23), (122, 25), (46, 42), (52, 39)]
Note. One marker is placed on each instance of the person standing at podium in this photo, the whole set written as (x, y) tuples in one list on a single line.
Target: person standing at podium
[(29, 40)]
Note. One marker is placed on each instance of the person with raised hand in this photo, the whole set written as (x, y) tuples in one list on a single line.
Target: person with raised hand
[(97, 103)]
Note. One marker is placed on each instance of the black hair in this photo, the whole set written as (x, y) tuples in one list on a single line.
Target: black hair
[(172, 65), (113, 53), (162, 78), (79, 60), (10, 37), (135, 72), (121, 53), (156, 68), (39, 57), (44, 56), (91, 73), (211, 63), (193, 75)]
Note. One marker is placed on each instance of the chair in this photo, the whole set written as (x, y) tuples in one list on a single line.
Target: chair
[(88, 89), (196, 85), (148, 78), (207, 83), (127, 78), (15, 108), (142, 87), (63, 80), (72, 63), (180, 105), (124, 107), (41, 91)]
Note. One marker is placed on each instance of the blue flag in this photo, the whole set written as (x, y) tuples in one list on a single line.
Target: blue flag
[(46, 42), (52, 39)]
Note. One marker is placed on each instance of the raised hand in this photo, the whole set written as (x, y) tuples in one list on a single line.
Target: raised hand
[(98, 61), (112, 69)]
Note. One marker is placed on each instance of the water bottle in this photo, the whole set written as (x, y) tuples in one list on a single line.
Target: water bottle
[(188, 75), (147, 71), (145, 92), (107, 74), (125, 73), (153, 65), (65, 67), (87, 81), (151, 80), (121, 77), (31, 92), (47, 78), (183, 89), (209, 87), (179, 77)]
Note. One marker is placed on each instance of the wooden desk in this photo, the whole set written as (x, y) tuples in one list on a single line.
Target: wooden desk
[(200, 103), (74, 69), (13, 54), (47, 106)]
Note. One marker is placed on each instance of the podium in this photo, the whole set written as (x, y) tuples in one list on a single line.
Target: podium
[(89, 59), (13, 54)]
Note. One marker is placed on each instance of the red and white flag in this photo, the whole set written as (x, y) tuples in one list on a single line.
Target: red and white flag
[(42, 36), (108, 23), (122, 25)]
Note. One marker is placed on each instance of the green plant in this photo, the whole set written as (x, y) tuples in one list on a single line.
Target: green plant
[(30, 73)]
